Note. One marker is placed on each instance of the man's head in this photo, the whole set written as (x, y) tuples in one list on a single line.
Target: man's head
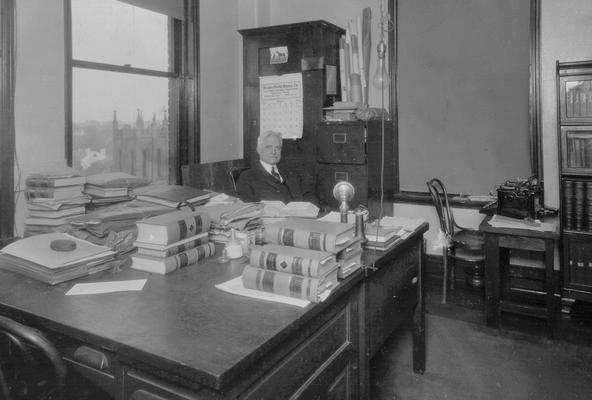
[(269, 147)]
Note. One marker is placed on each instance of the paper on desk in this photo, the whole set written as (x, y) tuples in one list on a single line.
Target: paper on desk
[(499, 221), (106, 287), (235, 286)]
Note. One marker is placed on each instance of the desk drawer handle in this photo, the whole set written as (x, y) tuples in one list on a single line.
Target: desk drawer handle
[(414, 280), (92, 358), (144, 395)]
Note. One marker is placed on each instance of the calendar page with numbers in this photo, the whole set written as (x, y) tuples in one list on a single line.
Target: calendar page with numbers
[(281, 105)]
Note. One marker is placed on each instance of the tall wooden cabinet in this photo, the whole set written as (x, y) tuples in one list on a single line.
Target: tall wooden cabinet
[(307, 48), (574, 93)]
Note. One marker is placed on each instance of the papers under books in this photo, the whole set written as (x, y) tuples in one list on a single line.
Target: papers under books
[(235, 286), (55, 257), (500, 221), (310, 234), (173, 196), (275, 208)]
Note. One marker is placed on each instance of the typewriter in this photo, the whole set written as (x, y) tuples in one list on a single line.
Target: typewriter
[(522, 198)]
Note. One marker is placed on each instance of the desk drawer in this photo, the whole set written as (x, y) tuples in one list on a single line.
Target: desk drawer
[(323, 362), (139, 386)]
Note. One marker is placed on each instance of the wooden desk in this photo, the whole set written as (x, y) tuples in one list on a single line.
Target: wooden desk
[(498, 243), (181, 338)]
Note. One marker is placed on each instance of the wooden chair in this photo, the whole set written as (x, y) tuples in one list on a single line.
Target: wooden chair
[(235, 173), (31, 367), (461, 244)]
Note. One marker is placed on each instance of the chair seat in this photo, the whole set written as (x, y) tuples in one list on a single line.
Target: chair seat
[(469, 240), (471, 256)]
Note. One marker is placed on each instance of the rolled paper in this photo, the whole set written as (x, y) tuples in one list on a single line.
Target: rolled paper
[(356, 88)]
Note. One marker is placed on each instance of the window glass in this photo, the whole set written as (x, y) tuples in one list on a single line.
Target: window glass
[(120, 123), (111, 32)]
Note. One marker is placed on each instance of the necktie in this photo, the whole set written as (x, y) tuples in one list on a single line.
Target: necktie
[(276, 174)]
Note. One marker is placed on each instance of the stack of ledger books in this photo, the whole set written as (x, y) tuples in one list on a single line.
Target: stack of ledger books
[(171, 241), (380, 237), (53, 199), (173, 196), (112, 187), (55, 257), (299, 258)]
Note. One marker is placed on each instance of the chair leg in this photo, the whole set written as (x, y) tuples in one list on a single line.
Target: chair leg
[(444, 273), (452, 274)]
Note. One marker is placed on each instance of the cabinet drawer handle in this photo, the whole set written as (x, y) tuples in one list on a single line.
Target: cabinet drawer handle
[(341, 176), (339, 138), (92, 358)]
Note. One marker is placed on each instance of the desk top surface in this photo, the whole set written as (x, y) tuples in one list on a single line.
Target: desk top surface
[(178, 322), (554, 234)]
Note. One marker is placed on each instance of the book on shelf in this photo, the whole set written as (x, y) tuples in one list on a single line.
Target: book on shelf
[(173, 196), (167, 265), (276, 208), (55, 177), (292, 260), (43, 212), (301, 287), (149, 249), (171, 227), (38, 194), (309, 234)]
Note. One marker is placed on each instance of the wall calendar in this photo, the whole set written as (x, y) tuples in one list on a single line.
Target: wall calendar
[(281, 104)]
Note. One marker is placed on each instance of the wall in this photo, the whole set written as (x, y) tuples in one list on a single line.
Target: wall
[(566, 35), (220, 81), (39, 96)]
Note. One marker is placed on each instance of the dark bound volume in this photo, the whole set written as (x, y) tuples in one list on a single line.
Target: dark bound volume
[(310, 234), (589, 205), (579, 205), (292, 260), (171, 227), (568, 193), (301, 287)]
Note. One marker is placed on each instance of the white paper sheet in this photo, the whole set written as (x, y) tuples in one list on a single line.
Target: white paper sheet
[(235, 286), (106, 287)]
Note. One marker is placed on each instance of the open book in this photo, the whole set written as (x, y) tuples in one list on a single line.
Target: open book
[(276, 208)]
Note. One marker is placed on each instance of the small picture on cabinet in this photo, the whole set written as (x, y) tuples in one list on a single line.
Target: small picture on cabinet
[(278, 55)]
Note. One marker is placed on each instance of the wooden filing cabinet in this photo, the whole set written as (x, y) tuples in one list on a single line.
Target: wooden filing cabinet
[(354, 151)]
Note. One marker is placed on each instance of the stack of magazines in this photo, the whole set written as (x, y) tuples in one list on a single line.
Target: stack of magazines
[(55, 257)]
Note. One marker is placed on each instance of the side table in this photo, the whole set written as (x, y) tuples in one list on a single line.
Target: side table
[(499, 241)]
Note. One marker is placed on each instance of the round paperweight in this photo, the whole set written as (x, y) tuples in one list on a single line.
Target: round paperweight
[(62, 245)]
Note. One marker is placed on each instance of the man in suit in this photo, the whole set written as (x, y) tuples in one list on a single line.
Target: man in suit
[(265, 181)]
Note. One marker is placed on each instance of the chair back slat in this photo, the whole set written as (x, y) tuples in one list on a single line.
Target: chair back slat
[(440, 199)]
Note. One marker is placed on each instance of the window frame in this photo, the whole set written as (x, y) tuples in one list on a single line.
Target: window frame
[(184, 139), (535, 132)]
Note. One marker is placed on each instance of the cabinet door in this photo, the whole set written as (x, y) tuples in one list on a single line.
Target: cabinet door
[(577, 261), (576, 150), (340, 143), (575, 101)]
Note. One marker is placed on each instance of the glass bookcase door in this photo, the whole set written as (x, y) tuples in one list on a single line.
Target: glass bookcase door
[(576, 99), (576, 149)]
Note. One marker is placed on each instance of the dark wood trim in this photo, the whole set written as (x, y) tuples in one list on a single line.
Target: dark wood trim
[(68, 82), (536, 153), (534, 87), (7, 133), (196, 90), (393, 38), (126, 69), (455, 200)]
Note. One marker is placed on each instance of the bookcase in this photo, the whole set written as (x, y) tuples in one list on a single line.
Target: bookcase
[(307, 48), (574, 94)]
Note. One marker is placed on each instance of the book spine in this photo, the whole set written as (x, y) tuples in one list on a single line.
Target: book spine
[(296, 286), (177, 249), (300, 238), (189, 257), (38, 193), (40, 183), (285, 263), (184, 228)]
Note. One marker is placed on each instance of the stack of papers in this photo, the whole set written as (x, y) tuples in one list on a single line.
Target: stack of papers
[(500, 221), (55, 257)]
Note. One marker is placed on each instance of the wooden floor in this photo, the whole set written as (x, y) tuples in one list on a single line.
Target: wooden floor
[(468, 360)]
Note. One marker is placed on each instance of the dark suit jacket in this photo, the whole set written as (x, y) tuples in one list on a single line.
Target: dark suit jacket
[(256, 184)]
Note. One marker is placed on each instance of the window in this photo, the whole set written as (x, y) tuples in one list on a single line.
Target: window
[(130, 84)]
